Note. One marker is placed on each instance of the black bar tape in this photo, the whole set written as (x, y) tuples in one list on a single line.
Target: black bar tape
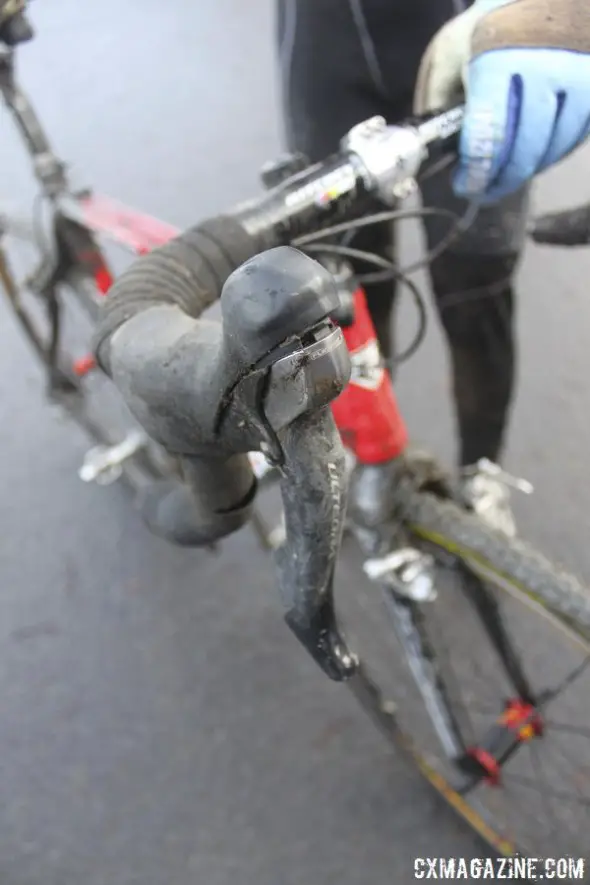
[(189, 271), (569, 228)]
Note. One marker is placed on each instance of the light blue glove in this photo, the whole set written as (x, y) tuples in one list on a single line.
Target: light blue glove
[(524, 66)]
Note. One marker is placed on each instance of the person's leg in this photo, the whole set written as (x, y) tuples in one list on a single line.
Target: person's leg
[(327, 88), (475, 299), (473, 286)]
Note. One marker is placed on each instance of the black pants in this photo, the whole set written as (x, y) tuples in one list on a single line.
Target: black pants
[(343, 61)]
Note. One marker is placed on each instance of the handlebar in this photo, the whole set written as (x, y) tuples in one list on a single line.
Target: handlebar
[(264, 377), (567, 228), (375, 161)]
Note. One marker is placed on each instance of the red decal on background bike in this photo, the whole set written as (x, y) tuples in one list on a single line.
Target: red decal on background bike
[(103, 280), (131, 229), (366, 412)]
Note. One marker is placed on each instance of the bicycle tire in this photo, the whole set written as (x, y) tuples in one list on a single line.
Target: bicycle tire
[(526, 575), (545, 583)]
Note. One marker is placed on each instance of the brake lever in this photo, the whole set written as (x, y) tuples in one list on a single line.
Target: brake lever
[(313, 489), (313, 485)]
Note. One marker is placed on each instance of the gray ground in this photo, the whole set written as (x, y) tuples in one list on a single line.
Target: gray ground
[(158, 724)]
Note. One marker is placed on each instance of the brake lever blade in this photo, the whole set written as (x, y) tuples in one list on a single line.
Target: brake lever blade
[(300, 387), (313, 488)]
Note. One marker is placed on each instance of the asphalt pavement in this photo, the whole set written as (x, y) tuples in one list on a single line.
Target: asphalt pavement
[(158, 724)]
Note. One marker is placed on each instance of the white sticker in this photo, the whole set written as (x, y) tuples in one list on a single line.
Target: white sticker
[(367, 369)]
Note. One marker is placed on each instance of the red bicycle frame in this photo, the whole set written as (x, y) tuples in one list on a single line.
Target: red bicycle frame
[(366, 413)]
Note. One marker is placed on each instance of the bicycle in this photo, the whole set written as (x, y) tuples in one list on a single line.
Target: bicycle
[(269, 379), (56, 304)]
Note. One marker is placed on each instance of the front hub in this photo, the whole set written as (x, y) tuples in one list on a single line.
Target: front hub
[(519, 723)]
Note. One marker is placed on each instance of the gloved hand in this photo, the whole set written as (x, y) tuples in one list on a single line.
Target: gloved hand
[(15, 28), (523, 68)]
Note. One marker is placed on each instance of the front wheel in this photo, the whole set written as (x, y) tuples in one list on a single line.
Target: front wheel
[(486, 685)]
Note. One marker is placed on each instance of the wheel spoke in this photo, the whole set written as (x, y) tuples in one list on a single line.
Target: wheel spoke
[(582, 798), (455, 690), (483, 709), (548, 808), (567, 728), (566, 683), (555, 794)]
